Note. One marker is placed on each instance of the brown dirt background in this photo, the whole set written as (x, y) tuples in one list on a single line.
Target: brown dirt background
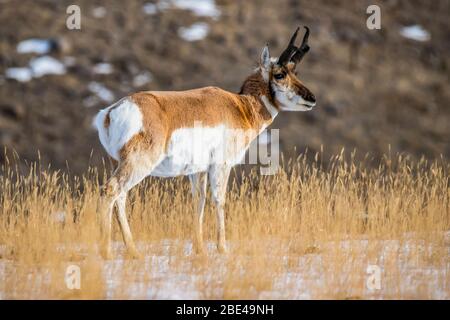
[(375, 89)]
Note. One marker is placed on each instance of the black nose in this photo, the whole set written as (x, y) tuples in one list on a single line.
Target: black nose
[(311, 98)]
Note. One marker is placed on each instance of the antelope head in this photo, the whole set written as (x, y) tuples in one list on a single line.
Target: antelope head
[(289, 92)]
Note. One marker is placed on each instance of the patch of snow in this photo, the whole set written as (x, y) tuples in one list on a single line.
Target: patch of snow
[(99, 12), (46, 65), (39, 46), (200, 8), (103, 68), (101, 91), (170, 270), (153, 8), (142, 78), (150, 8), (39, 67), (195, 32), (19, 74), (415, 32)]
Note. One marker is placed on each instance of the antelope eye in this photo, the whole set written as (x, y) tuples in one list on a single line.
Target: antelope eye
[(279, 76)]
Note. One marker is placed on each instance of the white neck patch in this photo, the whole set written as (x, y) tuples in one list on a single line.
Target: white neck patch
[(270, 107)]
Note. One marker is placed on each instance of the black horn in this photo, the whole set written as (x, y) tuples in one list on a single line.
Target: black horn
[(285, 57), (302, 50)]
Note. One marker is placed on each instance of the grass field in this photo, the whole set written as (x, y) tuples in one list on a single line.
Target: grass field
[(309, 232)]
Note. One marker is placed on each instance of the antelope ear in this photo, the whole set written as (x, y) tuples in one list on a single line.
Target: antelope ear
[(265, 58)]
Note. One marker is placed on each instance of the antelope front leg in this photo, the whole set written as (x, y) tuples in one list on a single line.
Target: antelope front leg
[(198, 182), (221, 243), (218, 176)]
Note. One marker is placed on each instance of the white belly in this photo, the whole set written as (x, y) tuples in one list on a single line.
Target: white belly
[(193, 150)]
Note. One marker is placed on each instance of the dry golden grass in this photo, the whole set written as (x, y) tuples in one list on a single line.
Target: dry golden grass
[(307, 232)]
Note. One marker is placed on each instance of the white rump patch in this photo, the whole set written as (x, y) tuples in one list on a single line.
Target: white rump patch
[(125, 122)]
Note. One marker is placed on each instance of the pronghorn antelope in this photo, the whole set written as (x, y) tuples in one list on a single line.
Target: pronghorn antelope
[(152, 133)]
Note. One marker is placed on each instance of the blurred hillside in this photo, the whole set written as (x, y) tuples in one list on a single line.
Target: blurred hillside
[(375, 88)]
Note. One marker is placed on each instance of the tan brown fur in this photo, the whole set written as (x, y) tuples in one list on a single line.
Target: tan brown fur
[(137, 143), (165, 111)]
